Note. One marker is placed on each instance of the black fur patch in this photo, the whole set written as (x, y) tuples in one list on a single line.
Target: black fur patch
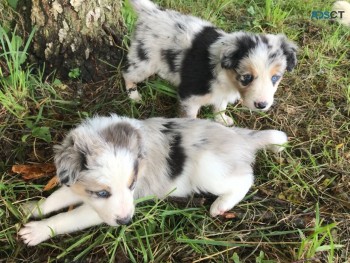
[(243, 46), (170, 56), (196, 70), (177, 157), (83, 161), (141, 51)]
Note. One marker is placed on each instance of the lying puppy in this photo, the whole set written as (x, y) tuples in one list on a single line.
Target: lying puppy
[(209, 66), (107, 162)]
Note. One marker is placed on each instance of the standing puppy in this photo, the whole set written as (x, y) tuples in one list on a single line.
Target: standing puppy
[(107, 162), (209, 66)]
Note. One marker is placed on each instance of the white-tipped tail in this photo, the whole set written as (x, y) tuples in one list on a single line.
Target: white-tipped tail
[(272, 140), (343, 9), (142, 6)]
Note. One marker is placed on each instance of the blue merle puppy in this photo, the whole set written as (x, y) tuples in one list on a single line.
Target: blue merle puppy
[(208, 65), (106, 163)]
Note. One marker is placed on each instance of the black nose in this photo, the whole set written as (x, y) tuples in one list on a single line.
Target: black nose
[(260, 105), (123, 221)]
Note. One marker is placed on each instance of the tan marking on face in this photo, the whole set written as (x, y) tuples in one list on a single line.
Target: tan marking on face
[(276, 70)]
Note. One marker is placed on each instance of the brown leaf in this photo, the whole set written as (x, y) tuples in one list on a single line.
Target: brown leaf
[(228, 215), (34, 171), (51, 184)]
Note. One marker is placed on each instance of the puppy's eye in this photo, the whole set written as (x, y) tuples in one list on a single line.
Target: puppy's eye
[(133, 184), (103, 194), (275, 78), (246, 79)]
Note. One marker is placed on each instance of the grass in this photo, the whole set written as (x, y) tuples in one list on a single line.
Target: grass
[(297, 210)]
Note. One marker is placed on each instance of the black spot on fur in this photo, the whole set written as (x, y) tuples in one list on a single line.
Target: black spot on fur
[(169, 127), (200, 143), (177, 157), (196, 71), (141, 51), (244, 45), (273, 56), (264, 39), (180, 26), (63, 176), (170, 56)]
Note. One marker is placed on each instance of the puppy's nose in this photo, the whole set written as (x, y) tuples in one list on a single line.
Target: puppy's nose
[(260, 105), (123, 221)]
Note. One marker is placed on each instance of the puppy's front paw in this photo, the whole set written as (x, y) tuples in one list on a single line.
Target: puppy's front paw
[(279, 139), (134, 95), (35, 232), (224, 119)]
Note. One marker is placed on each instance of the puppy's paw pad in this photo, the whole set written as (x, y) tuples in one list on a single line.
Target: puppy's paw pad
[(34, 233)]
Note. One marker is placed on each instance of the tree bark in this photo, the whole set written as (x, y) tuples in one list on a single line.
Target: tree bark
[(84, 34)]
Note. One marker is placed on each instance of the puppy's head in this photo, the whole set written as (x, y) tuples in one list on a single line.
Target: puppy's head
[(256, 64), (102, 166)]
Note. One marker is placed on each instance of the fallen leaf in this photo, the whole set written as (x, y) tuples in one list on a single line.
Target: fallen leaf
[(51, 184), (229, 215), (34, 171)]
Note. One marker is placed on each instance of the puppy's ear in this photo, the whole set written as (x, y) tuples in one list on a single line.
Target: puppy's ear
[(236, 49), (289, 50), (70, 158)]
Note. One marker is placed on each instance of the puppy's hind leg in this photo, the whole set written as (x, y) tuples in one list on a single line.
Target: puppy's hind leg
[(135, 72), (238, 189), (59, 199)]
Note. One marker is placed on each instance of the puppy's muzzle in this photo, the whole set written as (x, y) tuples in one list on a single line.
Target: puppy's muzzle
[(123, 221)]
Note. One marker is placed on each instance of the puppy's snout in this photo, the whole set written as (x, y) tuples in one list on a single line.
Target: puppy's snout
[(123, 220), (260, 105)]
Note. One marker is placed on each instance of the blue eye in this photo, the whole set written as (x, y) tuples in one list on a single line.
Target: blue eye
[(103, 194), (246, 79), (275, 78)]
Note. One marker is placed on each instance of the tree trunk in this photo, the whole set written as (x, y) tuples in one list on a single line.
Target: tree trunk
[(84, 34)]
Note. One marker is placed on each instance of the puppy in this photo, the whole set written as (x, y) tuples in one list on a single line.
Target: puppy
[(107, 162), (209, 66), (344, 7)]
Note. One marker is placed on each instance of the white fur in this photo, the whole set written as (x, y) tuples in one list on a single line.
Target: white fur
[(107, 153)]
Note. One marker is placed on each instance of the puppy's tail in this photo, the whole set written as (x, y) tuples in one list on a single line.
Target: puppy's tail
[(343, 9), (143, 6), (272, 140)]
